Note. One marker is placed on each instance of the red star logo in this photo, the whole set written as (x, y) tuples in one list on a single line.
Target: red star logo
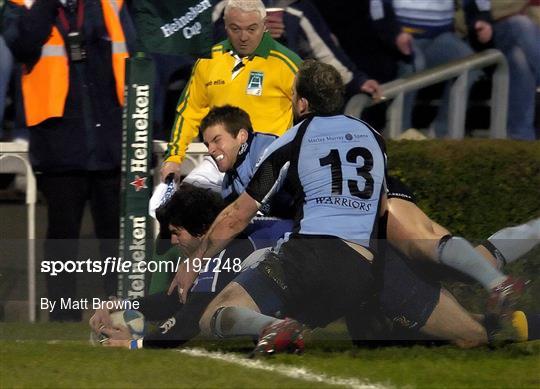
[(139, 183)]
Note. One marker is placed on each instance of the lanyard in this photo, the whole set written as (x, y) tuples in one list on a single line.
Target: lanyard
[(64, 20)]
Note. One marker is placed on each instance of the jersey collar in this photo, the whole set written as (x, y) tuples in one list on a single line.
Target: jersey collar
[(243, 152), (263, 50)]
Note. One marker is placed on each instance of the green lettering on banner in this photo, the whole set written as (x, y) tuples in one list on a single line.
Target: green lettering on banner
[(135, 223)]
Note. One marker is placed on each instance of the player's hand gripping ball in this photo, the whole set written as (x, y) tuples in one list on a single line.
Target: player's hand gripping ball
[(126, 325)]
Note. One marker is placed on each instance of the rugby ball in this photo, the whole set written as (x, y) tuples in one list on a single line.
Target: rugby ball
[(132, 319)]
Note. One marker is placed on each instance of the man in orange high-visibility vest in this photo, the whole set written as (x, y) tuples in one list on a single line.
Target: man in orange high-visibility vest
[(72, 82)]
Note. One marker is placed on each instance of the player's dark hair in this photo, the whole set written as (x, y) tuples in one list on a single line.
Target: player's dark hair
[(230, 117), (322, 86), (192, 208)]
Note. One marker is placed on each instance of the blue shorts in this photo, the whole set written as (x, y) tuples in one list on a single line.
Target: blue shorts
[(223, 268), (265, 232), (214, 279), (263, 291), (406, 298)]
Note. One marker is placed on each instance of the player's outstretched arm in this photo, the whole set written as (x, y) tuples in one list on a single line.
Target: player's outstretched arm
[(100, 318), (229, 223)]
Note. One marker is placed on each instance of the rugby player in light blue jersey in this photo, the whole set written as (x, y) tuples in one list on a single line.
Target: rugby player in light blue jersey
[(334, 167)]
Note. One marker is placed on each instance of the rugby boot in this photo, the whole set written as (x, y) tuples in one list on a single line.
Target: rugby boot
[(503, 298), (282, 336), (500, 311)]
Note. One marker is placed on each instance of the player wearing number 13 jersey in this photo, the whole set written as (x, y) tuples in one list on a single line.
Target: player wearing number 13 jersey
[(334, 167)]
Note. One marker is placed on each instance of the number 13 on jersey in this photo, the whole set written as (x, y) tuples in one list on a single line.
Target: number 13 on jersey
[(362, 159)]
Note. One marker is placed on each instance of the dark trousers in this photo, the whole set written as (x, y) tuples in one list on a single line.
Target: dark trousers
[(66, 194)]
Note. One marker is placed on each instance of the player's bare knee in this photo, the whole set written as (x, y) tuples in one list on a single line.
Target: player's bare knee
[(232, 295), (221, 300)]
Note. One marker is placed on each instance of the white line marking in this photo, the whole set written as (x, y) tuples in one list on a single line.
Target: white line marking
[(284, 370)]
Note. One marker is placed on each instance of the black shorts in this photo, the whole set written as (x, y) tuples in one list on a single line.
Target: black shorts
[(316, 278), (406, 296)]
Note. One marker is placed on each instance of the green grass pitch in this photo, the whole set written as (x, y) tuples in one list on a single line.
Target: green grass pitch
[(59, 356)]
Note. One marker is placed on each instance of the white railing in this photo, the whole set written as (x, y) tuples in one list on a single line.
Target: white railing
[(458, 70), (19, 151)]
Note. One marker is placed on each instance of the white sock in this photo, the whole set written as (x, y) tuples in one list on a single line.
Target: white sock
[(459, 254), (239, 321), (514, 242)]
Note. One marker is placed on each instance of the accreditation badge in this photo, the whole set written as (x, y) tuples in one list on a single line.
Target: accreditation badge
[(255, 82)]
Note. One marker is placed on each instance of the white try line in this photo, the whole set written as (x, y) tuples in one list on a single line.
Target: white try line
[(284, 370)]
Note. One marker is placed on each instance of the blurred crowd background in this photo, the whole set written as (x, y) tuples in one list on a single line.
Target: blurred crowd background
[(370, 42)]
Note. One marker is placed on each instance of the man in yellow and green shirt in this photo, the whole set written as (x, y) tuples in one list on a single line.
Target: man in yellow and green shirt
[(249, 70)]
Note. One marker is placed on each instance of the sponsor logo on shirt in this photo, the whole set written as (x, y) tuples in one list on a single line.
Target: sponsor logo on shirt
[(243, 148), (255, 83), (336, 138), (215, 82)]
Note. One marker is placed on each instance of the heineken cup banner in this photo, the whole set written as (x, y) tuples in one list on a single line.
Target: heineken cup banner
[(136, 233), (173, 26)]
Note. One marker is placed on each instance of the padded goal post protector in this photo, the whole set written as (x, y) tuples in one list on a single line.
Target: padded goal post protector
[(160, 280), (136, 234)]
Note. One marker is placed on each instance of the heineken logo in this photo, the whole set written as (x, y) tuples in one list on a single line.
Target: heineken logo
[(137, 253), (139, 161), (139, 183), (182, 22)]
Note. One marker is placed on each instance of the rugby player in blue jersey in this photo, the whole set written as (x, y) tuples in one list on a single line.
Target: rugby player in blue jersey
[(235, 147), (405, 297), (324, 169)]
